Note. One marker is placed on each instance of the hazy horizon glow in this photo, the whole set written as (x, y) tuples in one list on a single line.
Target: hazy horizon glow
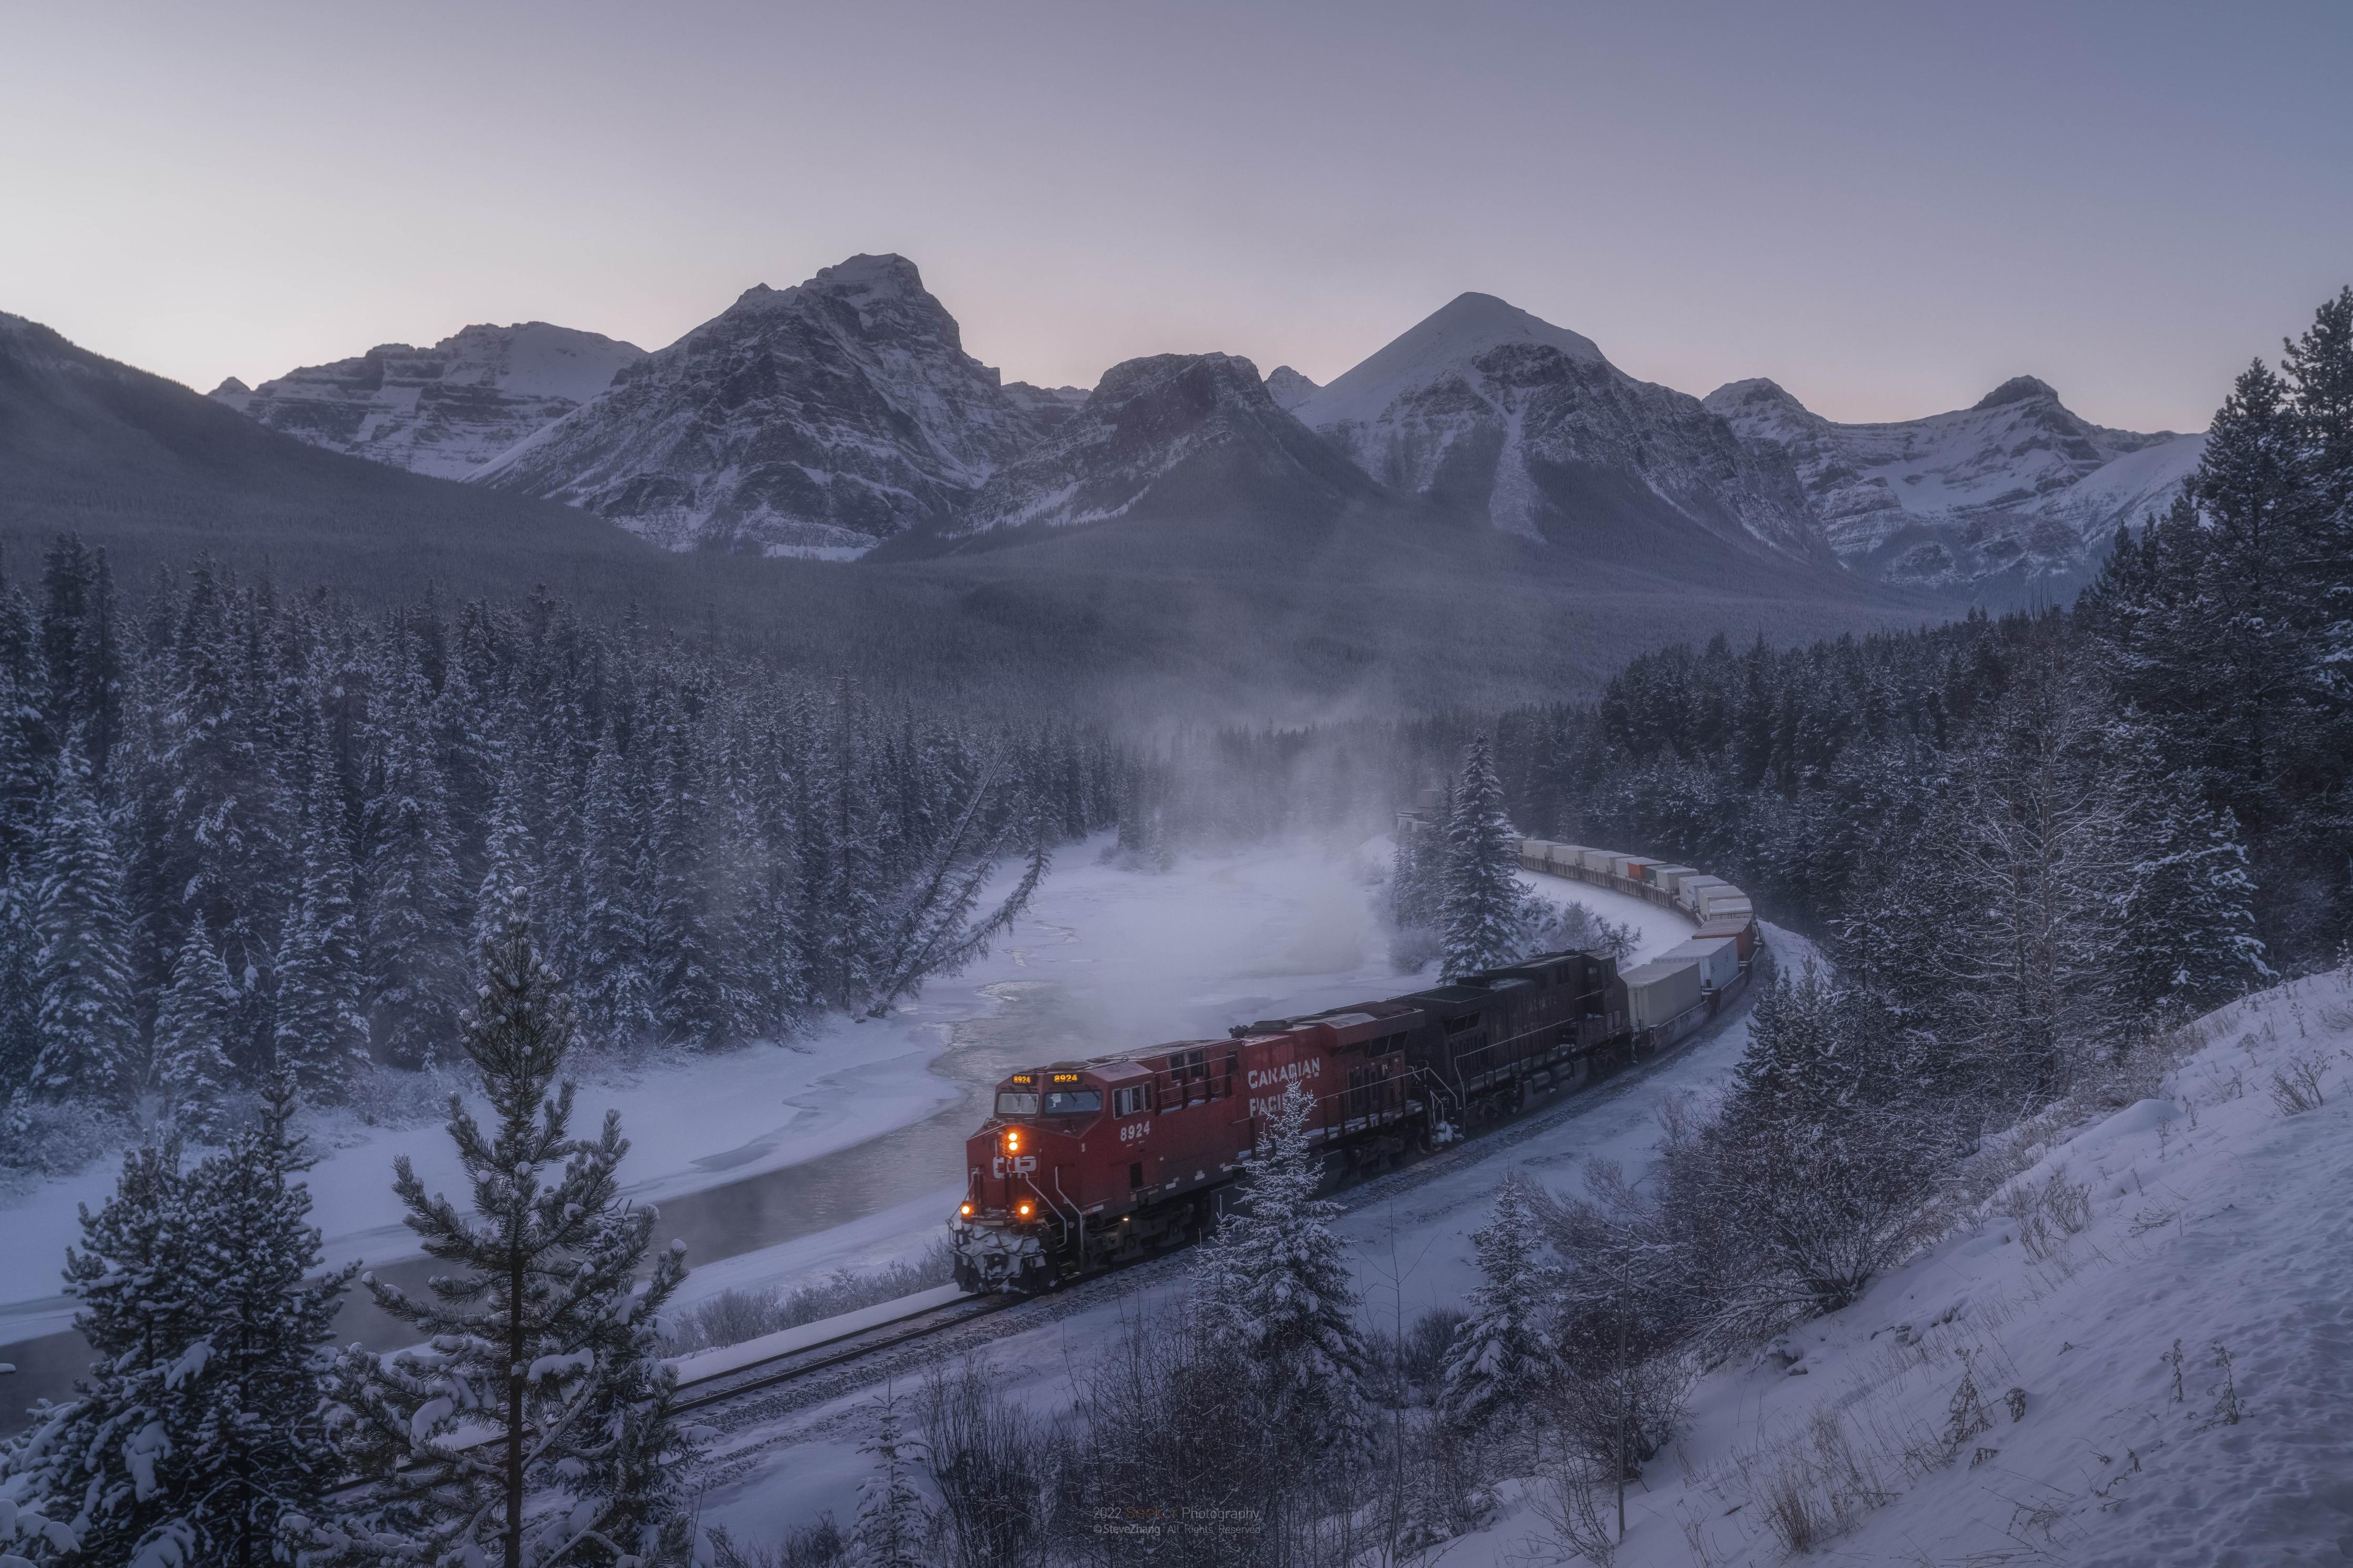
[(1889, 210)]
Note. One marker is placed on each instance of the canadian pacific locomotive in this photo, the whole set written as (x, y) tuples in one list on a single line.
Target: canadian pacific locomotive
[(1083, 1164)]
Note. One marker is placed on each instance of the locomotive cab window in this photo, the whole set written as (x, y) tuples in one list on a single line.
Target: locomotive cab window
[(1070, 1101), (1016, 1104), (1128, 1101), (1466, 1023)]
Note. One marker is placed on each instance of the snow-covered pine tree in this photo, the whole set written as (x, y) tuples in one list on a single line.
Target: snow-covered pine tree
[(415, 905), (88, 1046), (192, 1067), (543, 1332), (1793, 1066), (1274, 1282), (1484, 914), (1504, 1356), (616, 971), (509, 856), (92, 1481), (891, 1514), (2188, 898), (20, 995), (321, 1031), (255, 1450)]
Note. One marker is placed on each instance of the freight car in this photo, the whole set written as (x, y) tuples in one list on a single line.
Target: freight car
[(1087, 1164)]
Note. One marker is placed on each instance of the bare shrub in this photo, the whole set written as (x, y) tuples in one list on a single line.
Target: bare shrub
[(1568, 1497), (733, 1317), (818, 1545), (993, 1465), (2296, 1087), (2043, 1214)]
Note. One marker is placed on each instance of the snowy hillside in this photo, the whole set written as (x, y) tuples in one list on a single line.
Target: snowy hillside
[(444, 410), (1485, 402), (815, 420), (2131, 1353), (2015, 482)]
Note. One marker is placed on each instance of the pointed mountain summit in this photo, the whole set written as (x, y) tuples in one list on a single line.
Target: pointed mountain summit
[(444, 410), (1484, 405), (2015, 486), (1166, 435), (1289, 388), (815, 420)]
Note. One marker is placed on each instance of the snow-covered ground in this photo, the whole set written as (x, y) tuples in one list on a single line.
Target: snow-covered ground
[(1105, 958), (1411, 1250), (2216, 1224)]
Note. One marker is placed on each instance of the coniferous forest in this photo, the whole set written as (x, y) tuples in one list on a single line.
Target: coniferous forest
[(243, 830)]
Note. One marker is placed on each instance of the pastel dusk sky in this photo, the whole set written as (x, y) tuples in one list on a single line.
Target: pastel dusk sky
[(1887, 207)]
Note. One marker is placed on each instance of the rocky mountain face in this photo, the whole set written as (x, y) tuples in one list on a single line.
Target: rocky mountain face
[(1486, 405), (815, 420), (2014, 485), (444, 410), (1167, 433)]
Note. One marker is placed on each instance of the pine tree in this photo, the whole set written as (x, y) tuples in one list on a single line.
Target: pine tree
[(2188, 898), (1274, 1282), (321, 1028), (414, 904), (1485, 913), (89, 1047), (1504, 1356), (192, 1068), (20, 995), (891, 1510), (543, 1330)]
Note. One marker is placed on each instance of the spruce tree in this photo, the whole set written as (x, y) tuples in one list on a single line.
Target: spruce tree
[(891, 1515), (88, 1046), (1273, 1283), (321, 1026), (192, 1068), (542, 1332), (1485, 912), (1504, 1356), (94, 1470), (416, 906)]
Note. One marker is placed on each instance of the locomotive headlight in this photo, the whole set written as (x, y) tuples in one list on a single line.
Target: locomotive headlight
[(966, 1211), (1022, 1209), (1013, 1140)]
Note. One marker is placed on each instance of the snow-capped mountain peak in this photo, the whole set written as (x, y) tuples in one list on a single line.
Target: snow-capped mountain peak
[(1289, 388), (1485, 402), (445, 410), (818, 420), (2015, 483), (1448, 340)]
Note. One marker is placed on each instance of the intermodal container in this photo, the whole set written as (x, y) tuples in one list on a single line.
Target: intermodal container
[(1661, 990), (1694, 888), (1567, 858), (1596, 860), (1639, 869), (1741, 929), (1718, 959), (1672, 876), (1739, 905)]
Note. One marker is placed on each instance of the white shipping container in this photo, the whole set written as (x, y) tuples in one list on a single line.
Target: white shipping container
[(1661, 990), (1729, 910), (1596, 859), (1566, 857), (1695, 887), (1718, 958), (1724, 894), (1672, 876)]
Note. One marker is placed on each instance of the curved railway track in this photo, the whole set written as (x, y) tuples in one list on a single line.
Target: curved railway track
[(774, 1374)]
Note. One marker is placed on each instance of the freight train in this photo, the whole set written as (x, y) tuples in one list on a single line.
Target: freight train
[(1085, 1164)]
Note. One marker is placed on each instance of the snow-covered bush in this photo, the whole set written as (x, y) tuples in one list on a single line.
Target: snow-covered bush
[(734, 1316)]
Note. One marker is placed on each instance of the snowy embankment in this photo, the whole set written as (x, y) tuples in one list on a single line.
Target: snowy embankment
[(2138, 1353)]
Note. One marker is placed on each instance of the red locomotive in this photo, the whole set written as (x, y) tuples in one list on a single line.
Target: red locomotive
[(1085, 1164)]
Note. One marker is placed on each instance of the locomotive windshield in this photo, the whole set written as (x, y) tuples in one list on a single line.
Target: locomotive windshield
[(1068, 1101), (1011, 1104)]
